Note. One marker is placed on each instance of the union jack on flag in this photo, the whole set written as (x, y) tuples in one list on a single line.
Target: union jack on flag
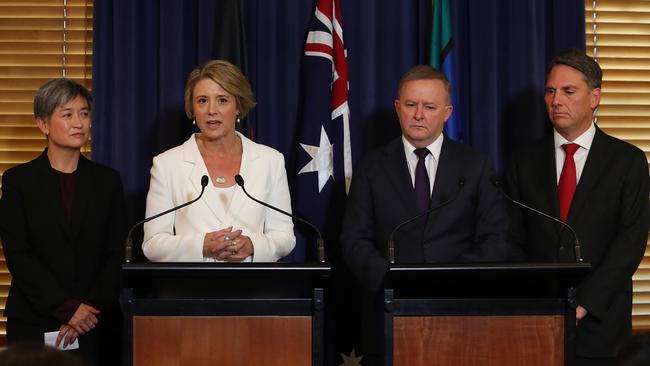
[(324, 160)]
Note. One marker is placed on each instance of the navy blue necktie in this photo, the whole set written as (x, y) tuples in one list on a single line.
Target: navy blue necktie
[(422, 190)]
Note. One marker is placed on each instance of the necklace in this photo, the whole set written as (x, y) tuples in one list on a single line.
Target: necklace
[(221, 180)]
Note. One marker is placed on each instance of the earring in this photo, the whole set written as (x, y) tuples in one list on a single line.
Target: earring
[(238, 120), (194, 122)]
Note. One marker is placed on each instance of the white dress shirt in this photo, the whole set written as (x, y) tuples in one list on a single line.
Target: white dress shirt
[(580, 156), (430, 162)]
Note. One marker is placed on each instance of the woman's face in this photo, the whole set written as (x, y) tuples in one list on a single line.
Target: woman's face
[(215, 110), (69, 125)]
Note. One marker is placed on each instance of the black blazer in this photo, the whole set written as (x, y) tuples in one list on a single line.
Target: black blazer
[(611, 217), (52, 258), (471, 227)]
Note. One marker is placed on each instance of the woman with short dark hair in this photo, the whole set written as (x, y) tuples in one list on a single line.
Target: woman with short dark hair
[(62, 228)]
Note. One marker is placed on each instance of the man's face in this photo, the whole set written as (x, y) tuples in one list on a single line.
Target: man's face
[(423, 108), (569, 101)]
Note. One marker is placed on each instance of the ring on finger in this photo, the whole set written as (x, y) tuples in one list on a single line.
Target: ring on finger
[(226, 238)]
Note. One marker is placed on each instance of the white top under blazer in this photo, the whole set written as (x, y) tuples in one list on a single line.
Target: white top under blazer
[(176, 179)]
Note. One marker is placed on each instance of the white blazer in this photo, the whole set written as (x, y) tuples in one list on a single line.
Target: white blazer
[(176, 178)]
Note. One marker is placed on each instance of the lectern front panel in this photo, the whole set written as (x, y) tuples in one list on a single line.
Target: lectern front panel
[(479, 340), (222, 340)]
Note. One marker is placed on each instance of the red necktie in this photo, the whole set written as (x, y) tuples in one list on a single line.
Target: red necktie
[(567, 185)]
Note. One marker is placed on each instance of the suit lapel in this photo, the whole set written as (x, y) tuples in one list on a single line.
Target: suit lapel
[(50, 195), (447, 174), (196, 170), (590, 174), (546, 181), (249, 160), (82, 194), (397, 173)]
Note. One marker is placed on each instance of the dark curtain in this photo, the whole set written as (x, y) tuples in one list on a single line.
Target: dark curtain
[(143, 51), (503, 48)]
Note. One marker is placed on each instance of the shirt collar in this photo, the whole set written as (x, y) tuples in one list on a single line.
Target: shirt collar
[(435, 147), (583, 140)]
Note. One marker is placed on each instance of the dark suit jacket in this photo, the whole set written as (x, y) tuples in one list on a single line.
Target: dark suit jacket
[(471, 227), (610, 215), (52, 258)]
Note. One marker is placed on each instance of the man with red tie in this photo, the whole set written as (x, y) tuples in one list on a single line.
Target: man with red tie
[(597, 184)]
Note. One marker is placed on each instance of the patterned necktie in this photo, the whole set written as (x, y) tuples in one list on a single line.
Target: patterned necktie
[(567, 184), (422, 189)]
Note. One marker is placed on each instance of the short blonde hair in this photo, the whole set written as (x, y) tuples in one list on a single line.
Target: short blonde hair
[(229, 77)]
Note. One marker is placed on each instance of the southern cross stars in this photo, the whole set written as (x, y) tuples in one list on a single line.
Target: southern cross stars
[(322, 159)]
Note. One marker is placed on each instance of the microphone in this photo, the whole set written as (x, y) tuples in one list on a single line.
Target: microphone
[(128, 257), (319, 242), (391, 241), (576, 243)]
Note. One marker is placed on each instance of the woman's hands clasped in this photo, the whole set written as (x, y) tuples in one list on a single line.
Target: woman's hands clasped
[(227, 245), (83, 321)]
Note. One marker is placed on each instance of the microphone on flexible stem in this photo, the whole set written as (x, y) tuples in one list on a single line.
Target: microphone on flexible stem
[(319, 242), (391, 241), (128, 257), (576, 243)]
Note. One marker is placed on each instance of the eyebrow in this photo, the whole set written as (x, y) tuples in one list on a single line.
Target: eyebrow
[(63, 109), (218, 96)]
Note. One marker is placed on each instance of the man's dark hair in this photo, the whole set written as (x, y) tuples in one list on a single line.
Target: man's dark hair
[(579, 60)]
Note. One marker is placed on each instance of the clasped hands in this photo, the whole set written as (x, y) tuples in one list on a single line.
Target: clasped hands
[(83, 321), (227, 245)]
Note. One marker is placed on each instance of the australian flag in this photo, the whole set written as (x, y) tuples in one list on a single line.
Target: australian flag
[(323, 158)]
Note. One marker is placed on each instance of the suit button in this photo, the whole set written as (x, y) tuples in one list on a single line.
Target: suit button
[(561, 248)]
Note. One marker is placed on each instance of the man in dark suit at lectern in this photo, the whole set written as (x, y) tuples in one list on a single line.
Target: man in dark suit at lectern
[(599, 186), (421, 171), (463, 216)]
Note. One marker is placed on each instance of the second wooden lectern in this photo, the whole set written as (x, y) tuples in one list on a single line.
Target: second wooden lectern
[(492, 314)]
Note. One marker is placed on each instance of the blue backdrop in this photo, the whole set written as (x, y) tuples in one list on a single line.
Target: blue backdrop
[(143, 51)]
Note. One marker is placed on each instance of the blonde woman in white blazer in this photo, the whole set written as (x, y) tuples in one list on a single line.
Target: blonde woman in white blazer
[(224, 225)]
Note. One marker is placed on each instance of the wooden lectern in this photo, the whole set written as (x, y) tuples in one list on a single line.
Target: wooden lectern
[(223, 313), (481, 314)]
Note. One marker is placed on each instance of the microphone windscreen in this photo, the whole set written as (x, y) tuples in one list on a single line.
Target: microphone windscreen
[(239, 180), (204, 181)]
